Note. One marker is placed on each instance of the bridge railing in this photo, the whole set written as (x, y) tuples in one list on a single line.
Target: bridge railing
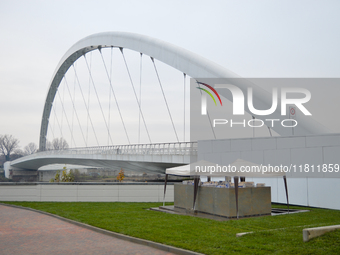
[(180, 148)]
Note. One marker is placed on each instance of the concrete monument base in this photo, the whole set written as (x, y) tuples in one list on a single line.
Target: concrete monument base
[(221, 201)]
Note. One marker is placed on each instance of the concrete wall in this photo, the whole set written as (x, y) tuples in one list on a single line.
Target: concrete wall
[(309, 189), (93, 192)]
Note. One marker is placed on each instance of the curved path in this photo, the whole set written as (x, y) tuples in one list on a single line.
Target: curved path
[(28, 232)]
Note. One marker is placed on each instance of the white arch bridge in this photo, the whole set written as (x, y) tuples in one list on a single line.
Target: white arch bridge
[(151, 156)]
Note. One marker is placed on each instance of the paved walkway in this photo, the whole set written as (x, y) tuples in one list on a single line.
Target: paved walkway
[(28, 232)]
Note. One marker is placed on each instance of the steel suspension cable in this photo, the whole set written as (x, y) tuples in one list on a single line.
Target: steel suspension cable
[(62, 103), (166, 102), (56, 118), (140, 93), (109, 117), (75, 111), (134, 91), (51, 127), (100, 105), (114, 95), (72, 100), (68, 123), (88, 103), (185, 76), (54, 106), (269, 131), (87, 108)]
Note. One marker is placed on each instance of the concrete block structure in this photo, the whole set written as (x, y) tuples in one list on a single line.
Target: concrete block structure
[(221, 201)]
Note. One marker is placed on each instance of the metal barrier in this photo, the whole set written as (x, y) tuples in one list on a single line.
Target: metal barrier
[(180, 148)]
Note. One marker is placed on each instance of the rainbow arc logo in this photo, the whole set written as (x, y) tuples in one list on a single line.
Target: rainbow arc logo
[(209, 93)]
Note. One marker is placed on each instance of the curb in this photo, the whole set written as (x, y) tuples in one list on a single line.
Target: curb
[(152, 244), (309, 233)]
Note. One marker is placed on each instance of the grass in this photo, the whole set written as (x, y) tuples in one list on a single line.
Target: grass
[(272, 235)]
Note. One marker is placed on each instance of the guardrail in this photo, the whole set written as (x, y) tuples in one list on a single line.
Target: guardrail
[(180, 148)]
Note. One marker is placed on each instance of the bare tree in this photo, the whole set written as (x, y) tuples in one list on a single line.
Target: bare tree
[(8, 145), (30, 148), (18, 153), (59, 144), (49, 145)]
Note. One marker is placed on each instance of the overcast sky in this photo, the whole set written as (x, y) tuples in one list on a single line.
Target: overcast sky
[(251, 38)]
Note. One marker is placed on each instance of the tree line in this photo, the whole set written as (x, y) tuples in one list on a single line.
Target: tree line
[(10, 149)]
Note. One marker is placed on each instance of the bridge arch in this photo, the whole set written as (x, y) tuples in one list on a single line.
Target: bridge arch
[(179, 58), (183, 60)]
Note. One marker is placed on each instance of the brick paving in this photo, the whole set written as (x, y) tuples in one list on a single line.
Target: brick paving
[(28, 232)]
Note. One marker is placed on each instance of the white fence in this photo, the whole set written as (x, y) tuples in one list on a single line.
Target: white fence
[(180, 148), (94, 192)]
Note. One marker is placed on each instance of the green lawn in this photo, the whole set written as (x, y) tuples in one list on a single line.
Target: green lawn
[(272, 234)]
